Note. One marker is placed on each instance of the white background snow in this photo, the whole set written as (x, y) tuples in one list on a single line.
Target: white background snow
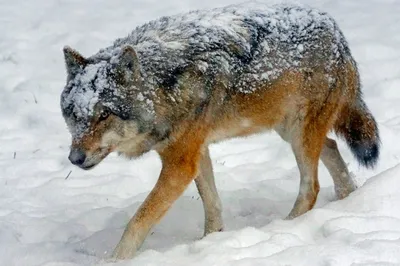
[(46, 219)]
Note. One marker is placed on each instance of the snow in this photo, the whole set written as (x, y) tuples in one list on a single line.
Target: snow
[(48, 219)]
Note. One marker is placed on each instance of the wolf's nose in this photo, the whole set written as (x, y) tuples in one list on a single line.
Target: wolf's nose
[(77, 156)]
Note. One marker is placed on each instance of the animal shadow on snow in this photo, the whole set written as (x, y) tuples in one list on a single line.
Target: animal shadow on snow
[(183, 224)]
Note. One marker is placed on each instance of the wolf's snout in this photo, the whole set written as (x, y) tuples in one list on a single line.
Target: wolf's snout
[(77, 156)]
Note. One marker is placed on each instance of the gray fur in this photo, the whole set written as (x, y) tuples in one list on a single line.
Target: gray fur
[(249, 43)]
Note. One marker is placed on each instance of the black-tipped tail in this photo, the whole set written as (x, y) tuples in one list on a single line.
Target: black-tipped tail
[(358, 127)]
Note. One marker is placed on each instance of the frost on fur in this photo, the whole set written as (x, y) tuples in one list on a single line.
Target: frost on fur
[(251, 43), (108, 81)]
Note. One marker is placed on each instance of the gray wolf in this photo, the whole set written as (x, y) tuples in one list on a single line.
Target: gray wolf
[(179, 83)]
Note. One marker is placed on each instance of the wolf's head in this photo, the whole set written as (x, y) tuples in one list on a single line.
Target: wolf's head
[(106, 106)]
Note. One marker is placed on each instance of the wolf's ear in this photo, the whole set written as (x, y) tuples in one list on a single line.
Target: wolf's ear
[(128, 64), (73, 61)]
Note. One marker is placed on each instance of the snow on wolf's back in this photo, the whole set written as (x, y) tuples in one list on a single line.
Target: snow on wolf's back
[(252, 40)]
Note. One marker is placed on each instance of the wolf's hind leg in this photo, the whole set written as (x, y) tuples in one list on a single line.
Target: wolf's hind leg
[(306, 139), (307, 157), (337, 168), (208, 192)]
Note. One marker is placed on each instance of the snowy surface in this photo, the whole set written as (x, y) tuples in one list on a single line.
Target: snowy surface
[(48, 219)]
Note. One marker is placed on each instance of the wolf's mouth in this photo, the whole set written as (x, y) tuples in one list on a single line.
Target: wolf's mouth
[(87, 167), (92, 161)]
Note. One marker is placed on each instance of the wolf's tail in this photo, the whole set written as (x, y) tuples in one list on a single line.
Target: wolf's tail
[(358, 127)]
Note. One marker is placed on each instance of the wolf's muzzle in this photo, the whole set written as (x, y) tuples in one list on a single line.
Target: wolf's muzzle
[(77, 157)]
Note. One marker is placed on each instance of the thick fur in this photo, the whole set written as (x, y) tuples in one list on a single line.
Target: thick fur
[(358, 127), (179, 83)]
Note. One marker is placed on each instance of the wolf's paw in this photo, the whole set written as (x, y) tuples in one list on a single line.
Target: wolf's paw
[(124, 250)]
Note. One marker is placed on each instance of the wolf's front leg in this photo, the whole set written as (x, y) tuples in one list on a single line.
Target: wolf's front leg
[(208, 192), (180, 167)]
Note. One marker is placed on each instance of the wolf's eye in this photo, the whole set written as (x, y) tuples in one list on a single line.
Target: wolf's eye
[(104, 115)]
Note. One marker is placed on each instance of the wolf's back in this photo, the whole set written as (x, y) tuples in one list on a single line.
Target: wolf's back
[(251, 42)]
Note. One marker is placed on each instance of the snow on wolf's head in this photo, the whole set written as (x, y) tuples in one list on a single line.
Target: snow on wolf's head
[(106, 106)]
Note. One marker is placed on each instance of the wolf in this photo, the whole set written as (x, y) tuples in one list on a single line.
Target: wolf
[(179, 83)]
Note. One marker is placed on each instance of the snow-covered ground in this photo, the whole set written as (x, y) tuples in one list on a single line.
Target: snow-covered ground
[(49, 219)]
